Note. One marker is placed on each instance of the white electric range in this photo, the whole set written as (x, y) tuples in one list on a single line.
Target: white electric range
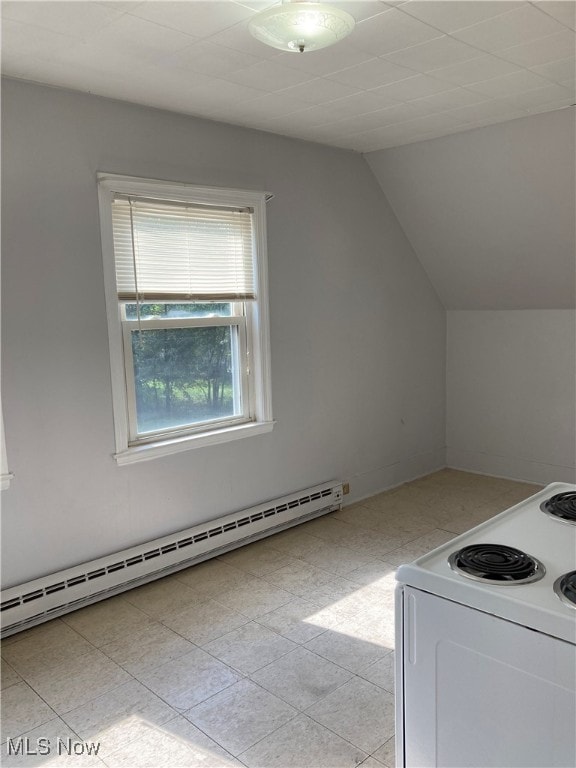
[(486, 643)]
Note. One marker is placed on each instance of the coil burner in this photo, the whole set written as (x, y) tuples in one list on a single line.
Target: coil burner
[(562, 507), (497, 564), (565, 588)]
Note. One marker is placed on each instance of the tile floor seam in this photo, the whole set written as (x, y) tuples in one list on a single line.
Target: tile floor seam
[(71, 728), (177, 715), (56, 715), (25, 675), (181, 713), (64, 619), (323, 696), (339, 735), (110, 690), (44, 624), (172, 719), (377, 748), (260, 615), (251, 573), (247, 674), (329, 693), (300, 714), (213, 695), (202, 648), (63, 716), (280, 634), (369, 754), (23, 734), (297, 713), (136, 737), (5, 688), (300, 594), (123, 667), (374, 531), (209, 600), (311, 650), (39, 696)]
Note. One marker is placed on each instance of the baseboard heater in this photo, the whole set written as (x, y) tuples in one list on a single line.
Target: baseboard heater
[(42, 599)]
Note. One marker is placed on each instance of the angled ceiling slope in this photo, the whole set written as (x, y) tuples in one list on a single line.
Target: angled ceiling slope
[(491, 212), (410, 70)]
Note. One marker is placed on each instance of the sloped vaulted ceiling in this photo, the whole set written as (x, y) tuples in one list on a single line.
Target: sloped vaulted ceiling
[(491, 212)]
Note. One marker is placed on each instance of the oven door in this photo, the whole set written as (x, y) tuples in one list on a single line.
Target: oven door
[(476, 690)]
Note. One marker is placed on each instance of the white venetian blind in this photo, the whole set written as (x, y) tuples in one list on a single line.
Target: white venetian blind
[(168, 250)]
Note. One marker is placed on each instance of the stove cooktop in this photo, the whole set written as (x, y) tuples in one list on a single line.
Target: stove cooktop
[(533, 602)]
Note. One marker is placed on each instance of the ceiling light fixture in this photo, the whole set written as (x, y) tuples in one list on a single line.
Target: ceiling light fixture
[(300, 26)]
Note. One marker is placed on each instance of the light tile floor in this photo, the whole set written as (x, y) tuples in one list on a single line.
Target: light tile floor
[(279, 654)]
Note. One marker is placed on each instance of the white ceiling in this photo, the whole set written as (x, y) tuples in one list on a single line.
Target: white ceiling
[(410, 70)]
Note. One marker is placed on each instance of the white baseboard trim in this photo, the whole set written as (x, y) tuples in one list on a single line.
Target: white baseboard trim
[(510, 467), (366, 484)]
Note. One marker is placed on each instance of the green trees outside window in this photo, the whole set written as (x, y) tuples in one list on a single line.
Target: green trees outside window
[(182, 375)]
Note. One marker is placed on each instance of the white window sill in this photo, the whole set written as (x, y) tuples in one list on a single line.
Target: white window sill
[(138, 453)]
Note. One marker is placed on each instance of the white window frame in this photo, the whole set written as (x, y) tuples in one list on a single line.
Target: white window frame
[(5, 475), (254, 336)]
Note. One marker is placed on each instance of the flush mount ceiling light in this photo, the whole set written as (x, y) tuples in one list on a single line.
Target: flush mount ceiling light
[(301, 26)]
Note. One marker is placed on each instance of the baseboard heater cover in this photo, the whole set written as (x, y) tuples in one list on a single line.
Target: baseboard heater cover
[(42, 599)]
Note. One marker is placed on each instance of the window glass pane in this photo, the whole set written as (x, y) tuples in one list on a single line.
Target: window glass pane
[(184, 376), (193, 309)]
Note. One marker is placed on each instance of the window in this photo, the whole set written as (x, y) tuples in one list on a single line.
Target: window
[(186, 292)]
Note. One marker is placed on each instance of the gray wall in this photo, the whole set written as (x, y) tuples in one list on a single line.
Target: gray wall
[(490, 212), (511, 382), (358, 334)]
